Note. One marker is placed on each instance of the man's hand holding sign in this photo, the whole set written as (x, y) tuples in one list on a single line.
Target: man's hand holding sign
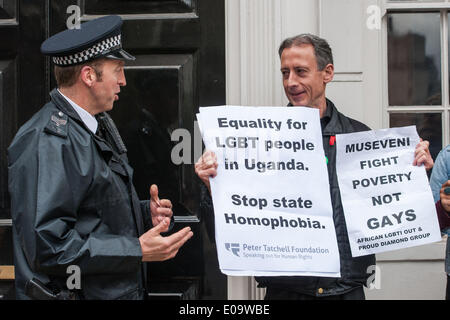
[(206, 167), (422, 155)]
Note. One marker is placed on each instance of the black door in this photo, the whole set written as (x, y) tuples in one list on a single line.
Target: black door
[(22, 92), (180, 65)]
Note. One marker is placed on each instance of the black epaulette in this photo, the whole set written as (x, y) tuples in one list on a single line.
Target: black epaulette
[(57, 124)]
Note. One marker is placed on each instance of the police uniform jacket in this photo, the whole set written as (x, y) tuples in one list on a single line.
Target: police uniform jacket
[(73, 203)]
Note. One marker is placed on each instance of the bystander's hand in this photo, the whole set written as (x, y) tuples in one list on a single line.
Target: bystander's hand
[(445, 198)]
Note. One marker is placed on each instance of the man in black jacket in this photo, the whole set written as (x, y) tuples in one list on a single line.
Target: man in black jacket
[(307, 67), (73, 203)]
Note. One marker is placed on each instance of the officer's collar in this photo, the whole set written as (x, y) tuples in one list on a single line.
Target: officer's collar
[(88, 119), (64, 106)]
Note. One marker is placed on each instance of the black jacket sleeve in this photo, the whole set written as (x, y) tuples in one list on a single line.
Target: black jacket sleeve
[(207, 212)]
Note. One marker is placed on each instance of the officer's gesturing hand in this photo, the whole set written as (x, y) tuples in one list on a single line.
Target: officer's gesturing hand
[(206, 167), (159, 209), (158, 248)]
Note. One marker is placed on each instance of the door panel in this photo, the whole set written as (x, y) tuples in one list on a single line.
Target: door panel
[(9, 29), (139, 6), (8, 109), (20, 87), (156, 101)]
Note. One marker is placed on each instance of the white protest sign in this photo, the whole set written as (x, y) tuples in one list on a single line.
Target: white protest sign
[(271, 218), (387, 201)]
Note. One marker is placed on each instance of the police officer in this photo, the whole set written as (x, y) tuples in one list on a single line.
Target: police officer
[(72, 198)]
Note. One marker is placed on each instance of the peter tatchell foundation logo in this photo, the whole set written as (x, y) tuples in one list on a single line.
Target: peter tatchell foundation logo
[(233, 247)]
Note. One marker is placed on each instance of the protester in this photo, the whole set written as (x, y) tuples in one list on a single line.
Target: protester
[(306, 68)]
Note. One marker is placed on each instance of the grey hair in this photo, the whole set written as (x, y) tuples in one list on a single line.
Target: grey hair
[(322, 49)]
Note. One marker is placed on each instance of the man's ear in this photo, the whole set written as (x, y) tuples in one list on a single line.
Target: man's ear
[(88, 76), (328, 73)]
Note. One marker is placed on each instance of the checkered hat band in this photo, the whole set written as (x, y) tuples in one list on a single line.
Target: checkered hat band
[(104, 46)]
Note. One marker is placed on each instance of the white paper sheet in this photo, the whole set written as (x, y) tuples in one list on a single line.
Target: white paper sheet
[(387, 201), (271, 197)]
